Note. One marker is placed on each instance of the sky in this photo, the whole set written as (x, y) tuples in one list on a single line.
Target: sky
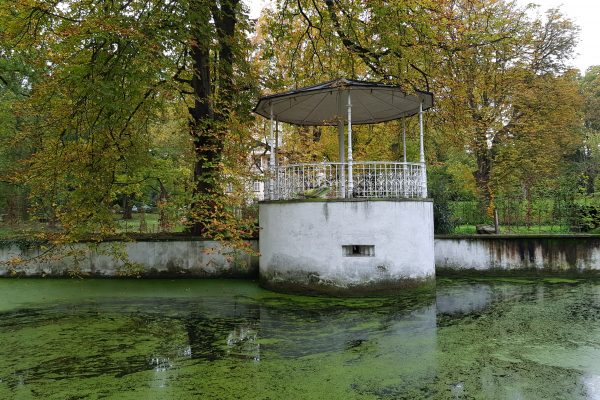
[(585, 13)]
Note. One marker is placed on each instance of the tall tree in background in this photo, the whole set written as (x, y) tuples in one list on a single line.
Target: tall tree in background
[(307, 41), (495, 55), (590, 87), (13, 199), (544, 137)]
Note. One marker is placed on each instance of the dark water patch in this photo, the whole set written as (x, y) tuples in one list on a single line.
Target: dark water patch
[(352, 344)]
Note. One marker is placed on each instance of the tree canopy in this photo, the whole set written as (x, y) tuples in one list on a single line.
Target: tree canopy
[(103, 102), (100, 79)]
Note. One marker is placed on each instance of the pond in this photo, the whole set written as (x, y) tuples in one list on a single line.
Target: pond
[(224, 339)]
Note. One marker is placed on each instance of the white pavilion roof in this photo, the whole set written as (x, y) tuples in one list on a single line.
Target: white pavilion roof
[(325, 104)]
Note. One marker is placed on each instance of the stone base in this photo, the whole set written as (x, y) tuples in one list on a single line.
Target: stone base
[(346, 246), (313, 287)]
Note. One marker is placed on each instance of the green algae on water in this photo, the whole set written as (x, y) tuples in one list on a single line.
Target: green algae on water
[(159, 339)]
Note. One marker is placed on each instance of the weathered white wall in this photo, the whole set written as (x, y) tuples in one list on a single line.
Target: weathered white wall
[(166, 258), (401, 248), (544, 253), (301, 244)]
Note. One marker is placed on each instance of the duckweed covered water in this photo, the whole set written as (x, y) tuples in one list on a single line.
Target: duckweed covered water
[(119, 339)]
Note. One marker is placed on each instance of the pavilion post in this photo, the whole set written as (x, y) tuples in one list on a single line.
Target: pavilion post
[(272, 159), (404, 137), (276, 142), (350, 178), (404, 167), (341, 150), (342, 170), (422, 154)]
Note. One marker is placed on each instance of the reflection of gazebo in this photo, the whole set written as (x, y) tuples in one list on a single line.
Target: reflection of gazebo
[(346, 226), (354, 103)]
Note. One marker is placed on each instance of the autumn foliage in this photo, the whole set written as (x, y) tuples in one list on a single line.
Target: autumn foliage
[(104, 102)]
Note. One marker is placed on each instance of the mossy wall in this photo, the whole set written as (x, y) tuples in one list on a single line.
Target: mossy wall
[(142, 258), (180, 257), (578, 254)]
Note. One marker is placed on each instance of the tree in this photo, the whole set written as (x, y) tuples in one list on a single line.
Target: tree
[(12, 196), (483, 81), (106, 71), (14, 79), (217, 97), (590, 153), (542, 139)]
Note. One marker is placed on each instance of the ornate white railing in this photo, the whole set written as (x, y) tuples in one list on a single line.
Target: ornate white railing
[(371, 179)]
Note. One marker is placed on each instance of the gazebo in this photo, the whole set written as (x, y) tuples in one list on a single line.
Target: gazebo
[(349, 225)]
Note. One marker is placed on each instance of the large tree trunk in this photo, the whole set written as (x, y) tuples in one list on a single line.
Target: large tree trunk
[(209, 113), (529, 205), (483, 152), (590, 183), (482, 175), (206, 145), (127, 206)]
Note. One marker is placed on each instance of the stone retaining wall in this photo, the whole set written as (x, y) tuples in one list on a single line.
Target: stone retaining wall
[(539, 253), (183, 257), (188, 257)]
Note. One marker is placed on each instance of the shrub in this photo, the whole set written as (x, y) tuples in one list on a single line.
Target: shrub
[(585, 218), (440, 183)]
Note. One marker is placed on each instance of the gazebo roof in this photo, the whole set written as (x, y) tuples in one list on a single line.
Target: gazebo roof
[(325, 103)]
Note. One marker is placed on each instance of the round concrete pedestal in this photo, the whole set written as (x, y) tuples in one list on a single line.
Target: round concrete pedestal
[(346, 246)]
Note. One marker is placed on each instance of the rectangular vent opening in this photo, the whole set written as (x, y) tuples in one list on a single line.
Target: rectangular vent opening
[(358, 250)]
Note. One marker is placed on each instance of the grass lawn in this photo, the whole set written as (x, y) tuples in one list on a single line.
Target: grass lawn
[(133, 225), (30, 228), (21, 229), (521, 230)]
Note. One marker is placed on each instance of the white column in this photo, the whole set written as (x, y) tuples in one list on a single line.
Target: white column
[(341, 151), (404, 137), (341, 171), (350, 182), (404, 167), (422, 153), (272, 160), (276, 142)]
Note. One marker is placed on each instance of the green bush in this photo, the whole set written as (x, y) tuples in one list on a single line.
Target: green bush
[(440, 183), (585, 218)]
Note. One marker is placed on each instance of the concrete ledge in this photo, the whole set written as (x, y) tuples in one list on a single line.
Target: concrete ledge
[(151, 258), (573, 254), (519, 236), (352, 200), (176, 256)]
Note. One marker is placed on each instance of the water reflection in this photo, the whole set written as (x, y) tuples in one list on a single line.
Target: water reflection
[(592, 386), (160, 364), (242, 343), (465, 340), (464, 299)]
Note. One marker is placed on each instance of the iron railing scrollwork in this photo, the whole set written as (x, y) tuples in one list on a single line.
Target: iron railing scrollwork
[(371, 179)]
